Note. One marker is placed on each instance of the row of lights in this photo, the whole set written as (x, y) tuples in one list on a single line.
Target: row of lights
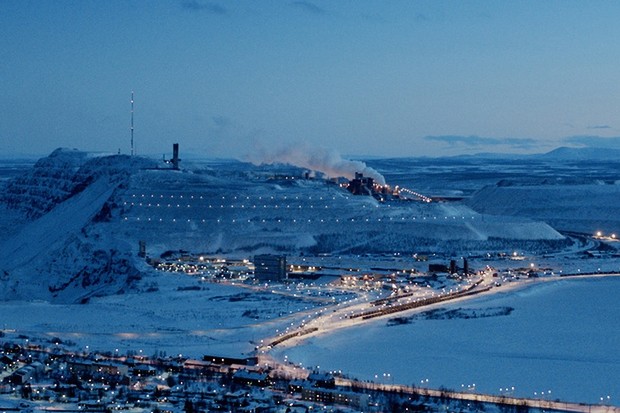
[(233, 197), (600, 234), (149, 219), (210, 206)]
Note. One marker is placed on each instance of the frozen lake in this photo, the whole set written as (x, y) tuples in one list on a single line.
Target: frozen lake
[(560, 337)]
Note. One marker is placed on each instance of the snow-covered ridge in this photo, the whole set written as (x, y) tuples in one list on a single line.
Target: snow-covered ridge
[(61, 175)]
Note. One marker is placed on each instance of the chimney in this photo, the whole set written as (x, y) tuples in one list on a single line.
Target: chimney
[(175, 156)]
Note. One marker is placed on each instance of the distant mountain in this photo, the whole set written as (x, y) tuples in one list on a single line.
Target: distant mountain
[(561, 153), (493, 155), (565, 153)]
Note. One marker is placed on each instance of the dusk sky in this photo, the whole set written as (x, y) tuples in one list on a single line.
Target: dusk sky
[(363, 78)]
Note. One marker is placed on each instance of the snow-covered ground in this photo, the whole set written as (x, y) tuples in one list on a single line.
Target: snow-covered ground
[(175, 313), (560, 336), (74, 238), (557, 335)]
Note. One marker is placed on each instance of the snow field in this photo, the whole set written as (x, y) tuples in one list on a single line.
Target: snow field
[(178, 315)]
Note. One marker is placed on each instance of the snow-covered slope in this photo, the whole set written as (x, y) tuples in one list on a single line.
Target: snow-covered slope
[(224, 213), (583, 208), (53, 256)]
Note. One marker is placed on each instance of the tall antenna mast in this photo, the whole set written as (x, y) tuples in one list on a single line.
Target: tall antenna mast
[(132, 151)]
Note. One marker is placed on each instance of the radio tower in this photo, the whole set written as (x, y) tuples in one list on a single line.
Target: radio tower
[(131, 128)]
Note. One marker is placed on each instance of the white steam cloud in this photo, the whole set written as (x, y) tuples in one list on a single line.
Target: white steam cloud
[(322, 160)]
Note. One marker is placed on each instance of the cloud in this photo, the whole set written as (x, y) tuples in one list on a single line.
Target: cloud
[(309, 7), (221, 121), (198, 6), (479, 141), (422, 17), (593, 141), (599, 127)]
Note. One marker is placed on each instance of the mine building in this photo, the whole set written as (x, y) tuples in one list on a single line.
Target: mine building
[(361, 185), (452, 269), (438, 268), (269, 267), (174, 161)]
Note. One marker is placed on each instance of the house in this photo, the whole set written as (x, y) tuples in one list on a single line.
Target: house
[(335, 396), (144, 370), (251, 378), (324, 380)]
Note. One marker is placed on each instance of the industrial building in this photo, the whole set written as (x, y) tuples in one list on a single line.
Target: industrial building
[(174, 161), (269, 267), (361, 185), (452, 269)]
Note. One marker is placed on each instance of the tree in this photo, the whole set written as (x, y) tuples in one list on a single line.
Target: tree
[(26, 391), (188, 407)]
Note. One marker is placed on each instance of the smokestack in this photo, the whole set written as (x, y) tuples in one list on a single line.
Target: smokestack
[(453, 267), (175, 156)]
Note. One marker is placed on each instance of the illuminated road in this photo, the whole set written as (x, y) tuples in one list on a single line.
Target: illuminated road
[(363, 308), (484, 398)]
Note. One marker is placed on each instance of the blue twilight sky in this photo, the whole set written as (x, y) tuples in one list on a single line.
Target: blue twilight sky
[(380, 78)]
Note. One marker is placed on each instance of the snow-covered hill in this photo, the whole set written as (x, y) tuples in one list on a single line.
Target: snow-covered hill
[(572, 207), (49, 252), (78, 219), (220, 212)]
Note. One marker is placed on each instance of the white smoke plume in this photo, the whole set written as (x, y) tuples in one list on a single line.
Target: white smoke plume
[(318, 159)]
